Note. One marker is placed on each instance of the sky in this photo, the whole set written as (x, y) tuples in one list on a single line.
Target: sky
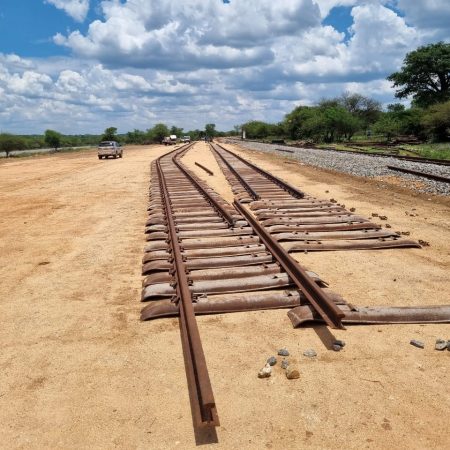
[(79, 66)]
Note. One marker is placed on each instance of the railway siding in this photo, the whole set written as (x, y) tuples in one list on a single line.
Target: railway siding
[(361, 165)]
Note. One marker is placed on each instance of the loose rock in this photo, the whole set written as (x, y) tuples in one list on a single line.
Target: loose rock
[(272, 361), (310, 353), (265, 372), (292, 373), (339, 342), (416, 343), (283, 352), (441, 344), (336, 348), (284, 364)]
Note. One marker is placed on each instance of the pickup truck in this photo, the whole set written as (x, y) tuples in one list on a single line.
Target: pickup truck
[(186, 139), (170, 140), (109, 148)]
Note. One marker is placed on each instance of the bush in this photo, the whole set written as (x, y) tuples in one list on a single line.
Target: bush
[(11, 142), (436, 121)]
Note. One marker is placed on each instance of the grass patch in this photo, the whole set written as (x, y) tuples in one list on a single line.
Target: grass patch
[(433, 151), (37, 152)]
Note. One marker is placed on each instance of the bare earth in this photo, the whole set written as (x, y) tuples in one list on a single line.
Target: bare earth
[(78, 369)]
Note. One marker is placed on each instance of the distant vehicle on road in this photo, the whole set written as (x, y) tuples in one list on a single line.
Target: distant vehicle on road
[(170, 140), (109, 148), (186, 139)]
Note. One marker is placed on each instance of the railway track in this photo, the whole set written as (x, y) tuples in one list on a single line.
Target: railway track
[(205, 256), (301, 222), (418, 159), (419, 173)]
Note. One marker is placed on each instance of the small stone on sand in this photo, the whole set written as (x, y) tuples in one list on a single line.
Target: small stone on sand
[(292, 373), (265, 372)]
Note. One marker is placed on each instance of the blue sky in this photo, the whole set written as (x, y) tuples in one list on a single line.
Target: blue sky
[(82, 65)]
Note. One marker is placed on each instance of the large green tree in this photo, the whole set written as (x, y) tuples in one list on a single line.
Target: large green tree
[(425, 75), (210, 129), (10, 142), (110, 134), (53, 139), (256, 129), (326, 122), (364, 108), (158, 132), (176, 131)]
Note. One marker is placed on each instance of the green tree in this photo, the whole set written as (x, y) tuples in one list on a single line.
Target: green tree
[(436, 121), (176, 131), (364, 108), (158, 132), (295, 122), (210, 129), (110, 134), (53, 139), (425, 75), (388, 125), (136, 137), (10, 142), (195, 134), (326, 122), (400, 120), (256, 129)]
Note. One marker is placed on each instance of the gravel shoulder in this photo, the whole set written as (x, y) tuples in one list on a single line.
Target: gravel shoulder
[(78, 369), (363, 166)]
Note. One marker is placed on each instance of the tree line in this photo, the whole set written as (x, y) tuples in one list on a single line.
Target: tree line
[(424, 76), (55, 140)]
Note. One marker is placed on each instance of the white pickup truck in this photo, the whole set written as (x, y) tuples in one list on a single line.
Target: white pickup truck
[(170, 140), (186, 139), (109, 148)]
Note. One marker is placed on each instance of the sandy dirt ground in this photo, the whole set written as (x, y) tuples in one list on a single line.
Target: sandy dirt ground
[(79, 371)]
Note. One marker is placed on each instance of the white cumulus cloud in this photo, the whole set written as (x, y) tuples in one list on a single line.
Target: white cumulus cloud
[(192, 33), (77, 9)]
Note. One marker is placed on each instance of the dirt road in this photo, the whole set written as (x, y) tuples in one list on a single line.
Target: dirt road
[(78, 369)]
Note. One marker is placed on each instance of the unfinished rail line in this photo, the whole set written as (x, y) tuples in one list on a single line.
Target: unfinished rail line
[(417, 159), (303, 222), (206, 256)]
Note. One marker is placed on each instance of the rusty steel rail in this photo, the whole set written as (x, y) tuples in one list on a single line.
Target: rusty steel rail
[(283, 150), (421, 174), (222, 212), (244, 183), (326, 308), (200, 389), (296, 193), (210, 172)]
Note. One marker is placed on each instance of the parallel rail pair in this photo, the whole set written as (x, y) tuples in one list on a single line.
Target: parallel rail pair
[(193, 237)]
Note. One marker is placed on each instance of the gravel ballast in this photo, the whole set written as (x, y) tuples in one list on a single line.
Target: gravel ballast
[(361, 165)]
